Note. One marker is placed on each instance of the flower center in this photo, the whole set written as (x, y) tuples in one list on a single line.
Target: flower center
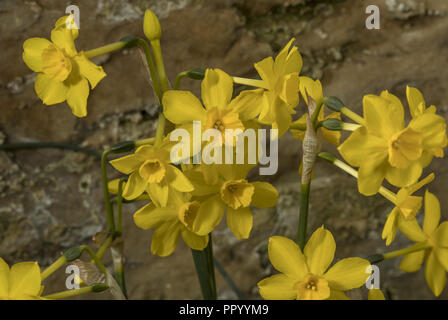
[(405, 147), (312, 288), (219, 125), (237, 193), (187, 214), (56, 64), (153, 171)]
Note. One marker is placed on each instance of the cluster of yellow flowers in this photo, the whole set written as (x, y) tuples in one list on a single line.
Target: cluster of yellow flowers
[(190, 199)]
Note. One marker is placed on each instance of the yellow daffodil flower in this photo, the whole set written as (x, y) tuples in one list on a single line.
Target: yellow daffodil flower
[(64, 73), (150, 170), (280, 78), (435, 237), (170, 223), (20, 282), (308, 275), (405, 210), (232, 192), (375, 294), (384, 148), (314, 91), (220, 112)]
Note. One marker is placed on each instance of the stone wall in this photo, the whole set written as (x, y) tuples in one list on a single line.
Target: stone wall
[(51, 200)]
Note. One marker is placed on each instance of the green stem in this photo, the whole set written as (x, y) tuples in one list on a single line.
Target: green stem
[(97, 261), (398, 253), (203, 261), (152, 69), (109, 210), (316, 112), (303, 218), (71, 293), (105, 49), (157, 50), (53, 267), (106, 244), (228, 279), (120, 206), (179, 78)]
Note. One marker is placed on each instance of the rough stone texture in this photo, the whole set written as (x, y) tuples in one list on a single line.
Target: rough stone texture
[(51, 200)]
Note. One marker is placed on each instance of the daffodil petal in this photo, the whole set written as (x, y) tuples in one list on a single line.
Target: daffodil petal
[(177, 180), (319, 251), (216, 88), (4, 278), (134, 187), (337, 295), (248, 104), (240, 221), (24, 279), (277, 287), (158, 193), (193, 240), (32, 52), (390, 227), (182, 106), (265, 69), (209, 215), (348, 274), (89, 70), (384, 115), (265, 195), (411, 229), (412, 262), (50, 91), (375, 294), (435, 274), (442, 234), (165, 238), (152, 217), (77, 95), (63, 38), (415, 100), (406, 176), (126, 164), (286, 257), (432, 213), (312, 87)]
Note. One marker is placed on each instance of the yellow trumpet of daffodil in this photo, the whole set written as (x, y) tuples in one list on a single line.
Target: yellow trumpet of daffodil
[(313, 89), (64, 73), (231, 192), (170, 223), (150, 170), (20, 282), (308, 275), (384, 148), (402, 216), (435, 238)]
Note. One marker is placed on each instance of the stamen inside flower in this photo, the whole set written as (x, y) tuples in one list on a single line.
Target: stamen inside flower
[(56, 63), (312, 288), (237, 193), (187, 214), (152, 171)]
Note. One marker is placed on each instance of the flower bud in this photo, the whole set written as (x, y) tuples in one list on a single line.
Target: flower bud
[(151, 26)]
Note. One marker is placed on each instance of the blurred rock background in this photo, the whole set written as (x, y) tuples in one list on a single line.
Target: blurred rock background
[(51, 200)]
